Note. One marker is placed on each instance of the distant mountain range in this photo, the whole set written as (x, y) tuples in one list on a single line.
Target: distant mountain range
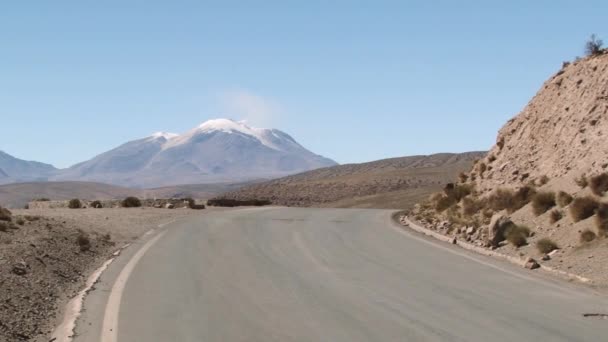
[(218, 150)]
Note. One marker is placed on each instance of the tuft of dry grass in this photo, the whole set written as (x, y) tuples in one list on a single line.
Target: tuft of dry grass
[(517, 235), (510, 200), (581, 181), (75, 204), (471, 206), (20, 221), (131, 202), (546, 245), (543, 180), (599, 184), (83, 241), (601, 219), (5, 215), (543, 201), (555, 216), (583, 207), (563, 199), (587, 236)]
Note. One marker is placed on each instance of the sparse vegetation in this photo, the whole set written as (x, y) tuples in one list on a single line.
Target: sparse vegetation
[(517, 235), (83, 241), (599, 184), (555, 216), (75, 204), (96, 204), (20, 221), (131, 202), (225, 202), (42, 199), (581, 181), (563, 199), (463, 177), (5, 215), (471, 206), (510, 200), (601, 219), (593, 46), (452, 194), (546, 245), (32, 218), (543, 201), (583, 207), (587, 235), (542, 180)]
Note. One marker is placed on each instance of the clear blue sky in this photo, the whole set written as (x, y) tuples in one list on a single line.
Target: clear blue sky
[(352, 80)]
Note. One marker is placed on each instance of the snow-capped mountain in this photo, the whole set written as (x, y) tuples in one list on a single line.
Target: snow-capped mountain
[(17, 170), (218, 150)]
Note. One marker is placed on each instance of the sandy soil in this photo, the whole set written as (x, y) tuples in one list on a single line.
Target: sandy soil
[(45, 259)]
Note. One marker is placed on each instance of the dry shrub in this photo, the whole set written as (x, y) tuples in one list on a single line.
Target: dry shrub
[(543, 180), (452, 194), (463, 177), (581, 181), (32, 218), (491, 158), (96, 204), (5, 215), (543, 201), (510, 200), (593, 46), (83, 241), (555, 216), (471, 206), (545, 245), (587, 235), (131, 202), (517, 235), (75, 204), (564, 198), (583, 207), (20, 221), (601, 219), (599, 184), (482, 168)]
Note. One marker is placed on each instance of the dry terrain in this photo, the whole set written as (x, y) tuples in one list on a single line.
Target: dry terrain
[(540, 192), (19, 194), (388, 183), (46, 255)]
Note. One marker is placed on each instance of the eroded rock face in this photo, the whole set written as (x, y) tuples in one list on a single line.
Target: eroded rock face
[(496, 229), (558, 133)]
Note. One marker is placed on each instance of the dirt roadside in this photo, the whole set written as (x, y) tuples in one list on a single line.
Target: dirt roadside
[(47, 254)]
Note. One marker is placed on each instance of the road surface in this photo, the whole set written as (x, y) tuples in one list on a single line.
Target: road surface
[(282, 274)]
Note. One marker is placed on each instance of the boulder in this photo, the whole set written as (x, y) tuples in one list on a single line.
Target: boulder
[(496, 229), (531, 264), (20, 268)]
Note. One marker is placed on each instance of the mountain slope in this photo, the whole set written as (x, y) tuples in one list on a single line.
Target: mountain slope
[(17, 170), (388, 183), (218, 150)]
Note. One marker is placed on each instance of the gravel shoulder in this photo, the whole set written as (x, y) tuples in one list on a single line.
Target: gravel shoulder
[(47, 254)]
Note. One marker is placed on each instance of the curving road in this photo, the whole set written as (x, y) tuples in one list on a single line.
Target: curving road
[(282, 274)]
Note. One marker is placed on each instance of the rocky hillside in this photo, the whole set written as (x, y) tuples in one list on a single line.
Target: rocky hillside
[(561, 134), (541, 190), (388, 183)]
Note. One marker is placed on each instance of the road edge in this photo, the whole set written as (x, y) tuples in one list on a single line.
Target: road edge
[(395, 218)]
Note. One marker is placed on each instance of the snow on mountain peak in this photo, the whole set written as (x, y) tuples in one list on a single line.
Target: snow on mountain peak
[(165, 135)]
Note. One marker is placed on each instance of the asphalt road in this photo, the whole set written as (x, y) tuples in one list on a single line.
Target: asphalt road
[(281, 274)]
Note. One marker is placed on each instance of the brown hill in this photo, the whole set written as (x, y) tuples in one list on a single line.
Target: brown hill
[(552, 152), (388, 183)]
